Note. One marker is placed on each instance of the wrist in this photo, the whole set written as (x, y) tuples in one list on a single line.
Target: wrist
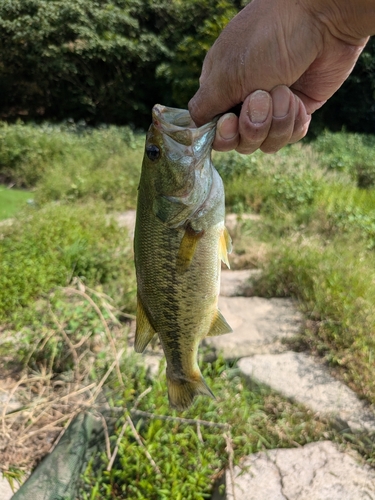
[(349, 20)]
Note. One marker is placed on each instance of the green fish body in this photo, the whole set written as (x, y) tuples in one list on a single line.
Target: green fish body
[(179, 241)]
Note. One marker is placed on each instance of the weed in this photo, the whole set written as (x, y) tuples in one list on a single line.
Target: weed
[(69, 162), (48, 247), (350, 153)]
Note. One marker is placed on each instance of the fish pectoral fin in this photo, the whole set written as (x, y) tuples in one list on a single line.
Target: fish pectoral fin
[(144, 331), (219, 326), (181, 392), (187, 248), (225, 246)]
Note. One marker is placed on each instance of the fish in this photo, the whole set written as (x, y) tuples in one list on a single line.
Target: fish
[(179, 242)]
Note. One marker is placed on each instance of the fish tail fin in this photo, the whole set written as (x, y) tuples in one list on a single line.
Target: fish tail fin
[(181, 391)]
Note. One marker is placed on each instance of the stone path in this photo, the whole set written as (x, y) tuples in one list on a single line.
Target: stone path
[(301, 378), (317, 471), (6, 492)]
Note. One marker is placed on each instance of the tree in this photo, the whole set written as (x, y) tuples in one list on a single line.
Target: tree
[(75, 58), (353, 106)]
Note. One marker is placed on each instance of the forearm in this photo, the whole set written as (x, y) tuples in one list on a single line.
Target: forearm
[(348, 20)]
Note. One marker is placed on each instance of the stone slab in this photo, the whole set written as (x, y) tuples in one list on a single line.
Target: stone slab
[(301, 378), (6, 492), (317, 471), (234, 283), (127, 219), (259, 325)]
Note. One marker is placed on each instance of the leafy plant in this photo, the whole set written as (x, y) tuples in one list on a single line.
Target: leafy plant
[(351, 153), (103, 60), (76, 59), (69, 159), (49, 247)]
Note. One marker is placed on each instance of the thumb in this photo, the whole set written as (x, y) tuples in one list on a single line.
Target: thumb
[(211, 99), (208, 102)]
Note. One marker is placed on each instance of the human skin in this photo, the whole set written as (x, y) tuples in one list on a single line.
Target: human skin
[(282, 59)]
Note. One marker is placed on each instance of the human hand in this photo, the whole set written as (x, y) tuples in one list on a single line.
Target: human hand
[(298, 53)]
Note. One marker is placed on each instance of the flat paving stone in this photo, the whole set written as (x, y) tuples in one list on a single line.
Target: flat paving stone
[(317, 471), (301, 378), (6, 492), (258, 324), (235, 283), (127, 219)]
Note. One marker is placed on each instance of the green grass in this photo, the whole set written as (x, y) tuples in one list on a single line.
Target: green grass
[(12, 200), (316, 242), (48, 247), (71, 163)]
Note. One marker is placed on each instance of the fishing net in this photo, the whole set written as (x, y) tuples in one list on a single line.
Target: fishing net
[(57, 476)]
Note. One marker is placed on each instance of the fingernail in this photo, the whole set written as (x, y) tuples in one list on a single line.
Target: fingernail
[(259, 106), (281, 101), (227, 126)]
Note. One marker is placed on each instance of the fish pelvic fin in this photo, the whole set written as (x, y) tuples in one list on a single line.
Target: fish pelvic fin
[(219, 326), (187, 248), (225, 246), (144, 331), (181, 392)]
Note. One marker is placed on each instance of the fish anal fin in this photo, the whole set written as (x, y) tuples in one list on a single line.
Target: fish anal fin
[(181, 392), (187, 248), (225, 246), (144, 331), (219, 326)]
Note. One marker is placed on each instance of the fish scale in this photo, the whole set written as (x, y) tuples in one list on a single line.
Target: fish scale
[(179, 241)]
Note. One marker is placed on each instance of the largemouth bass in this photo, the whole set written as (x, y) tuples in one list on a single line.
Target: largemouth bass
[(179, 241)]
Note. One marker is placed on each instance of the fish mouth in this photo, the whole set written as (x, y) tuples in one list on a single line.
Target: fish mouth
[(179, 126)]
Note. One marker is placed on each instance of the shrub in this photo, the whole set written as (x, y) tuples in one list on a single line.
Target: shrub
[(284, 181), (71, 162), (351, 153), (50, 246)]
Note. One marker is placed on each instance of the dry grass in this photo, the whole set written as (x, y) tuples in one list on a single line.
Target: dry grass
[(40, 404)]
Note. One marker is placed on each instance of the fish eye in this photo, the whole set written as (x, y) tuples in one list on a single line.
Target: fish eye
[(153, 152)]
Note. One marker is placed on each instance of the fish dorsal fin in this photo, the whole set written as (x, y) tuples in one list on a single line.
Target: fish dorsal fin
[(219, 326), (144, 331), (225, 246), (187, 248)]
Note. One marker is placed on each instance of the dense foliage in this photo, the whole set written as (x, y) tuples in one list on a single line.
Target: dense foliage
[(49, 247), (103, 60), (353, 105), (111, 60)]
